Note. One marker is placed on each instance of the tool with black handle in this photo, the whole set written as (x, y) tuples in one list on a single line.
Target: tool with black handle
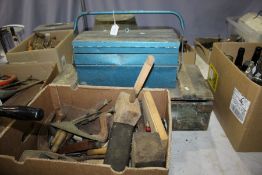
[(21, 112)]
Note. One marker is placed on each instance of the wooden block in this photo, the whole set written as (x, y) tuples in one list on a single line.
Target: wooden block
[(151, 114), (147, 150), (126, 112)]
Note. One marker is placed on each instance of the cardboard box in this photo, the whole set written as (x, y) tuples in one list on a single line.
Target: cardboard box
[(189, 57), (61, 54), (202, 50), (41, 71), (51, 97), (237, 99)]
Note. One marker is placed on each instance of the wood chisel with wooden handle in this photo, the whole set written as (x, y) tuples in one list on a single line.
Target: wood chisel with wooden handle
[(127, 113)]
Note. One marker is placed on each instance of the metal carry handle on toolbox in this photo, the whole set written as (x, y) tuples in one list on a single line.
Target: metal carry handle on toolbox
[(180, 18)]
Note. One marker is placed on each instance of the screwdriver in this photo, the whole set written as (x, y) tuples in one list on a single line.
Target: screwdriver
[(21, 112)]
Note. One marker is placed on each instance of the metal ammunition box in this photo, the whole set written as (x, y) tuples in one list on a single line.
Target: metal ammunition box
[(191, 101)]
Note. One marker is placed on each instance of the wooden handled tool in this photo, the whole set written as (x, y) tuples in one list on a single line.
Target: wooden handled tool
[(127, 113), (152, 115), (142, 77), (98, 151), (60, 135)]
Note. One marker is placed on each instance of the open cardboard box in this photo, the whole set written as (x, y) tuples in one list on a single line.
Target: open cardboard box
[(61, 54), (49, 99), (201, 50), (237, 99), (41, 71), (189, 57)]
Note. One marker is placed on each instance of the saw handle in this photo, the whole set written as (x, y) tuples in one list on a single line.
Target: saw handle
[(21, 112)]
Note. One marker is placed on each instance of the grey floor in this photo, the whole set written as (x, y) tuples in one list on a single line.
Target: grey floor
[(210, 152)]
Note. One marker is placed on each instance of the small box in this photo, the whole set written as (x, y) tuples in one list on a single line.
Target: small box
[(41, 71), (203, 47), (61, 54), (192, 100), (189, 57), (11, 146), (237, 99)]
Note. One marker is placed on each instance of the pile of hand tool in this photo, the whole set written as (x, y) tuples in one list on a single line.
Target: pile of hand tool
[(130, 132)]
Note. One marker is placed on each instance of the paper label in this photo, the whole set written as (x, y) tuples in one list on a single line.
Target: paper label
[(114, 30), (254, 69), (63, 62), (239, 105), (212, 77)]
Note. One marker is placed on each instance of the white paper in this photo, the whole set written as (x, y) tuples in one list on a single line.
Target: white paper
[(211, 73), (114, 30), (239, 105)]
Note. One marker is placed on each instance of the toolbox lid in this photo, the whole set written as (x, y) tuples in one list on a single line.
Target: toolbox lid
[(142, 38)]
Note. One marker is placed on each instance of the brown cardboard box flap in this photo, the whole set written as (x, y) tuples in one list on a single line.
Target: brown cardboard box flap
[(55, 167), (23, 70)]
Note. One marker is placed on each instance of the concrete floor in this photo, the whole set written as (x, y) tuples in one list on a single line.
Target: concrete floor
[(210, 152)]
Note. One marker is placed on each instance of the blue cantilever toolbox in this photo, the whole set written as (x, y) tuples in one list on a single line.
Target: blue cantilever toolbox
[(104, 60)]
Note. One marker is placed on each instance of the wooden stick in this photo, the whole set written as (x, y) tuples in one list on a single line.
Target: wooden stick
[(98, 151), (142, 77), (153, 117)]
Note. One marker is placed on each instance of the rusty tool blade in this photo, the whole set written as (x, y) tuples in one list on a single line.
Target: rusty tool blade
[(70, 126), (44, 154), (78, 147)]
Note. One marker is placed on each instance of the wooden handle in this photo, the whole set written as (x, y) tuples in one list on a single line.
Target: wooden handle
[(142, 77), (98, 151), (60, 139), (152, 115)]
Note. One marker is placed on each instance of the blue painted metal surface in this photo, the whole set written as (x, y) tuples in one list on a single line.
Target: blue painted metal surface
[(101, 59), (94, 42), (101, 50), (124, 59), (125, 76)]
